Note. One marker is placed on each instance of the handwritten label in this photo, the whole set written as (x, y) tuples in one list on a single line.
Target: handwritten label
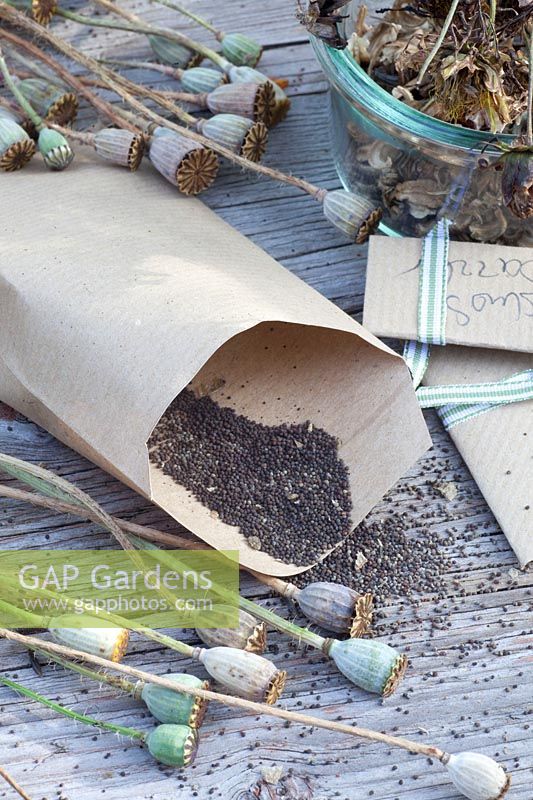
[(489, 297)]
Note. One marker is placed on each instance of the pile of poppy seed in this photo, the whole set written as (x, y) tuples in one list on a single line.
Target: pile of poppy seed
[(283, 486), (388, 558)]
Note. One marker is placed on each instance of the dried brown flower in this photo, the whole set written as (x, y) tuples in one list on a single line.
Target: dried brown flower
[(320, 17)]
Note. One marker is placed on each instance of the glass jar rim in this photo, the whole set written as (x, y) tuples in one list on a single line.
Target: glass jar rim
[(351, 80)]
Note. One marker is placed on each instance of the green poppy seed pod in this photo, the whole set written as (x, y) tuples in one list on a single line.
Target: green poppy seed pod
[(250, 75), (517, 182), (476, 776), (16, 147), (201, 79), (174, 707), (249, 635), (173, 53), (245, 674), (355, 216), (241, 50), (189, 166), (110, 643), (55, 149), (120, 146), (173, 745), (252, 100), (371, 665), (49, 101), (336, 607), (243, 136)]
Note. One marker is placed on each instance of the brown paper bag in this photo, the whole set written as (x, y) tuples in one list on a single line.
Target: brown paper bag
[(497, 446), (116, 293)]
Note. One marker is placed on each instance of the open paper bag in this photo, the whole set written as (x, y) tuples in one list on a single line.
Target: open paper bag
[(116, 293)]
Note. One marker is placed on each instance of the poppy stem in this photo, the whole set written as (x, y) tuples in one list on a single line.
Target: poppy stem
[(438, 43)]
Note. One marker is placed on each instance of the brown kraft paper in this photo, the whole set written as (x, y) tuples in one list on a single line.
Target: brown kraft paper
[(489, 295), (116, 292), (497, 446)]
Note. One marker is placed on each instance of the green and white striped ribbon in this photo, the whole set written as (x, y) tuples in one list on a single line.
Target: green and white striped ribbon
[(416, 354), (457, 403), (432, 282)]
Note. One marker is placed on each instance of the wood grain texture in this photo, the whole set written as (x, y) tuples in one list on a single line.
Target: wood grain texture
[(458, 694)]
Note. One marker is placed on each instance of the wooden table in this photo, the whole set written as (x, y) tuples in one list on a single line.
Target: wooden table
[(458, 694)]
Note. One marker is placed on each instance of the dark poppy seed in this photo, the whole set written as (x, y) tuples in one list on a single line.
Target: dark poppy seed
[(284, 486), (398, 561)]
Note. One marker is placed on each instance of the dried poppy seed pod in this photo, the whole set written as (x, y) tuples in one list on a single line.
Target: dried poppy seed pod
[(249, 75), (189, 166), (173, 53), (245, 674), (240, 49), (371, 665), (49, 101), (110, 643), (252, 100), (201, 79), (174, 707), (355, 216), (55, 149), (476, 776), (247, 138), (250, 634), (517, 182), (16, 147), (173, 745), (120, 146), (336, 607)]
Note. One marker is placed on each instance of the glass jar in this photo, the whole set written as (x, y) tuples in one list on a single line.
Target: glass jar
[(414, 166)]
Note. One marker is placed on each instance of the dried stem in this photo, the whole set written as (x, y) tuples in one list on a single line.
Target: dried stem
[(142, 531), (35, 70), (123, 87), (14, 785), (493, 8), (186, 13), (68, 712), (164, 69), (123, 684), (440, 40), (33, 643), (166, 33), (78, 136), (102, 106)]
